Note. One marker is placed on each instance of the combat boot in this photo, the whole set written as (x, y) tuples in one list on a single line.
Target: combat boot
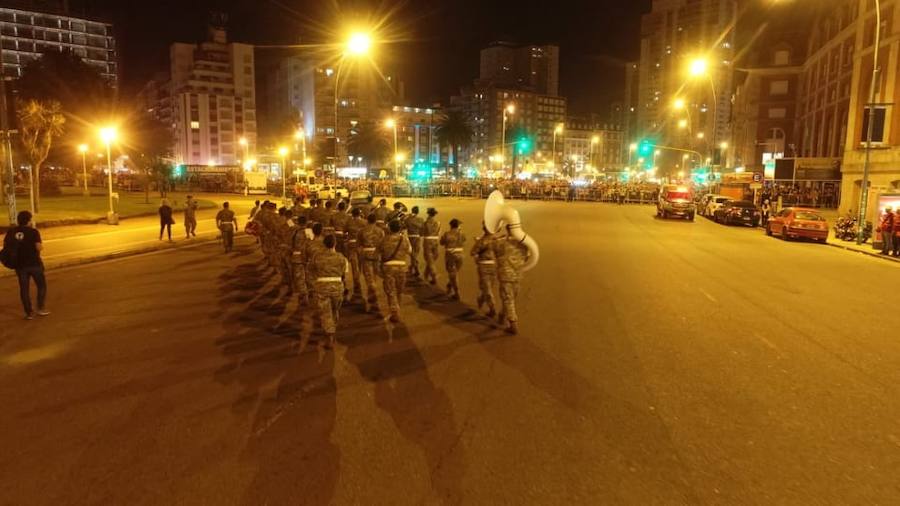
[(513, 328), (395, 317)]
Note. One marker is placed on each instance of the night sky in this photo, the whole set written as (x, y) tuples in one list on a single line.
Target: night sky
[(434, 46)]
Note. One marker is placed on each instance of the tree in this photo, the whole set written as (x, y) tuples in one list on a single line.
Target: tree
[(455, 129), (370, 143), (39, 123), (148, 145)]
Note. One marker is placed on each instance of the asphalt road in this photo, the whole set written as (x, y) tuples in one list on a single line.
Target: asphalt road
[(660, 362)]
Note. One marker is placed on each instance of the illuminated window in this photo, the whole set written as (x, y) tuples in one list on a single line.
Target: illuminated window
[(329, 72), (195, 125)]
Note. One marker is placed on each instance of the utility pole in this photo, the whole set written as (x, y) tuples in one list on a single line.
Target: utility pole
[(6, 149)]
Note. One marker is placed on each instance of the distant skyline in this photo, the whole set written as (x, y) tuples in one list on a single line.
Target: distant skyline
[(438, 44)]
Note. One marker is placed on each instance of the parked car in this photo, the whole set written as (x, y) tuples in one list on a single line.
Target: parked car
[(738, 212), (675, 201), (715, 202), (331, 192), (797, 223), (359, 198)]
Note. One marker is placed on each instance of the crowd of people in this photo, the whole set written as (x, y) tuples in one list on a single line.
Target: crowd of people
[(329, 253)]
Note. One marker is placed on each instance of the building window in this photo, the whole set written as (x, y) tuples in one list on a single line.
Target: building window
[(778, 88), (878, 128), (195, 125), (777, 113), (782, 57)]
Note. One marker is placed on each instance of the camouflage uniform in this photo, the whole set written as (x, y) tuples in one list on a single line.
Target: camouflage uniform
[(318, 214), (313, 247), (381, 213), (328, 269), (339, 221), (414, 226), (298, 263), (352, 229), (394, 254), (328, 223), (283, 236), (453, 241), (510, 256), (431, 231), (265, 217), (483, 252), (370, 238)]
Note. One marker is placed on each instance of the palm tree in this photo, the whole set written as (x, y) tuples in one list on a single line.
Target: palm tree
[(40, 122), (369, 142), (455, 129)]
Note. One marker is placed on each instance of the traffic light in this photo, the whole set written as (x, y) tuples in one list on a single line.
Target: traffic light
[(524, 144), (646, 148)]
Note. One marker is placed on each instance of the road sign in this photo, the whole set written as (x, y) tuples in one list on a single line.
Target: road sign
[(757, 177)]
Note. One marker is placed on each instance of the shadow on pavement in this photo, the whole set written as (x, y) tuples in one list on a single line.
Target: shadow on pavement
[(289, 393)]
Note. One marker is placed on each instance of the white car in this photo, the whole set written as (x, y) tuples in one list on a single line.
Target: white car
[(328, 192), (715, 202)]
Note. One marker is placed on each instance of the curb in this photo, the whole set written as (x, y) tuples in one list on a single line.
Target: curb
[(120, 254), (863, 252), (93, 221)]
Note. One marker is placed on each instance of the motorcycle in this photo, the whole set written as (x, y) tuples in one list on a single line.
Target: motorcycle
[(846, 229)]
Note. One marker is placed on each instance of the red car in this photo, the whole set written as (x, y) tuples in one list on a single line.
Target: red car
[(798, 222)]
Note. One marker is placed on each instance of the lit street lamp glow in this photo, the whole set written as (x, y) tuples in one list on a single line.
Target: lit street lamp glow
[(682, 123), (359, 43), (678, 104), (699, 67)]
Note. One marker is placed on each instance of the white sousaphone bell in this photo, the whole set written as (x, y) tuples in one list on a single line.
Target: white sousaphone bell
[(497, 215)]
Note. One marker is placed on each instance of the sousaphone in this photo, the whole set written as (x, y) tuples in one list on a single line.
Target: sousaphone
[(498, 214)]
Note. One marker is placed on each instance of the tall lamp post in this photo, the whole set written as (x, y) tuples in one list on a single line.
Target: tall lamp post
[(83, 149), (358, 45), (699, 67), (556, 132), (392, 124), (507, 111), (283, 151), (594, 141), (864, 191), (108, 136)]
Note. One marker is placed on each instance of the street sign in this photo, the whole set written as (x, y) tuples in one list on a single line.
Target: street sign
[(757, 177)]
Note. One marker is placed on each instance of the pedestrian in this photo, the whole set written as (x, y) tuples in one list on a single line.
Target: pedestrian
[(414, 225), (394, 253), (190, 217), (329, 269), (887, 228), (22, 248), (352, 229), (166, 220), (227, 223), (766, 213), (254, 210), (510, 256), (453, 241), (431, 231), (370, 238), (485, 261)]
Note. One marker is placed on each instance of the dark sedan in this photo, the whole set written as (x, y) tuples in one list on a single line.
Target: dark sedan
[(738, 212)]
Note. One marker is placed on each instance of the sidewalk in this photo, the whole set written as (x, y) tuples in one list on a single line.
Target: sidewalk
[(80, 244), (866, 248)]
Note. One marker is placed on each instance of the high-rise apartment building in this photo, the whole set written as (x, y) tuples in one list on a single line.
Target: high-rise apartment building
[(303, 86), (528, 67), (26, 33), (588, 145), (212, 98), (676, 36)]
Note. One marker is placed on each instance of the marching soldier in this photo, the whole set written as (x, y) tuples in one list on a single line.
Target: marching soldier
[(328, 222), (510, 255), (485, 260), (381, 213), (397, 213), (370, 238), (299, 242), (453, 241), (414, 231), (317, 212), (431, 231), (227, 223), (314, 246), (282, 239), (394, 252), (352, 229), (329, 269), (339, 222)]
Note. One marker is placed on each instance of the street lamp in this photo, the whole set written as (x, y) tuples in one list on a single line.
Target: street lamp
[(83, 149), (358, 45), (864, 189), (698, 68), (556, 132), (283, 151), (678, 104), (508, 110), (108, 135), (392, 124), (594, 141)]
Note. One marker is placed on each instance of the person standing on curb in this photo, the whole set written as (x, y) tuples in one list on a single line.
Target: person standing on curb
[(897, 234), (190, 217), (165, 219), (22, 248), (887, 231), (227, 223)]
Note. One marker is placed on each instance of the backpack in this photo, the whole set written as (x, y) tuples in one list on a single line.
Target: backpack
[(9, 255)]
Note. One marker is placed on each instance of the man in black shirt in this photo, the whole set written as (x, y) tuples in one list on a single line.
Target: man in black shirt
[(26, 242)]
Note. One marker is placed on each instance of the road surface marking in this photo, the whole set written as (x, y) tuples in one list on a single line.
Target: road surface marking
[(765, 341), (33, 355), (707, 295)]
